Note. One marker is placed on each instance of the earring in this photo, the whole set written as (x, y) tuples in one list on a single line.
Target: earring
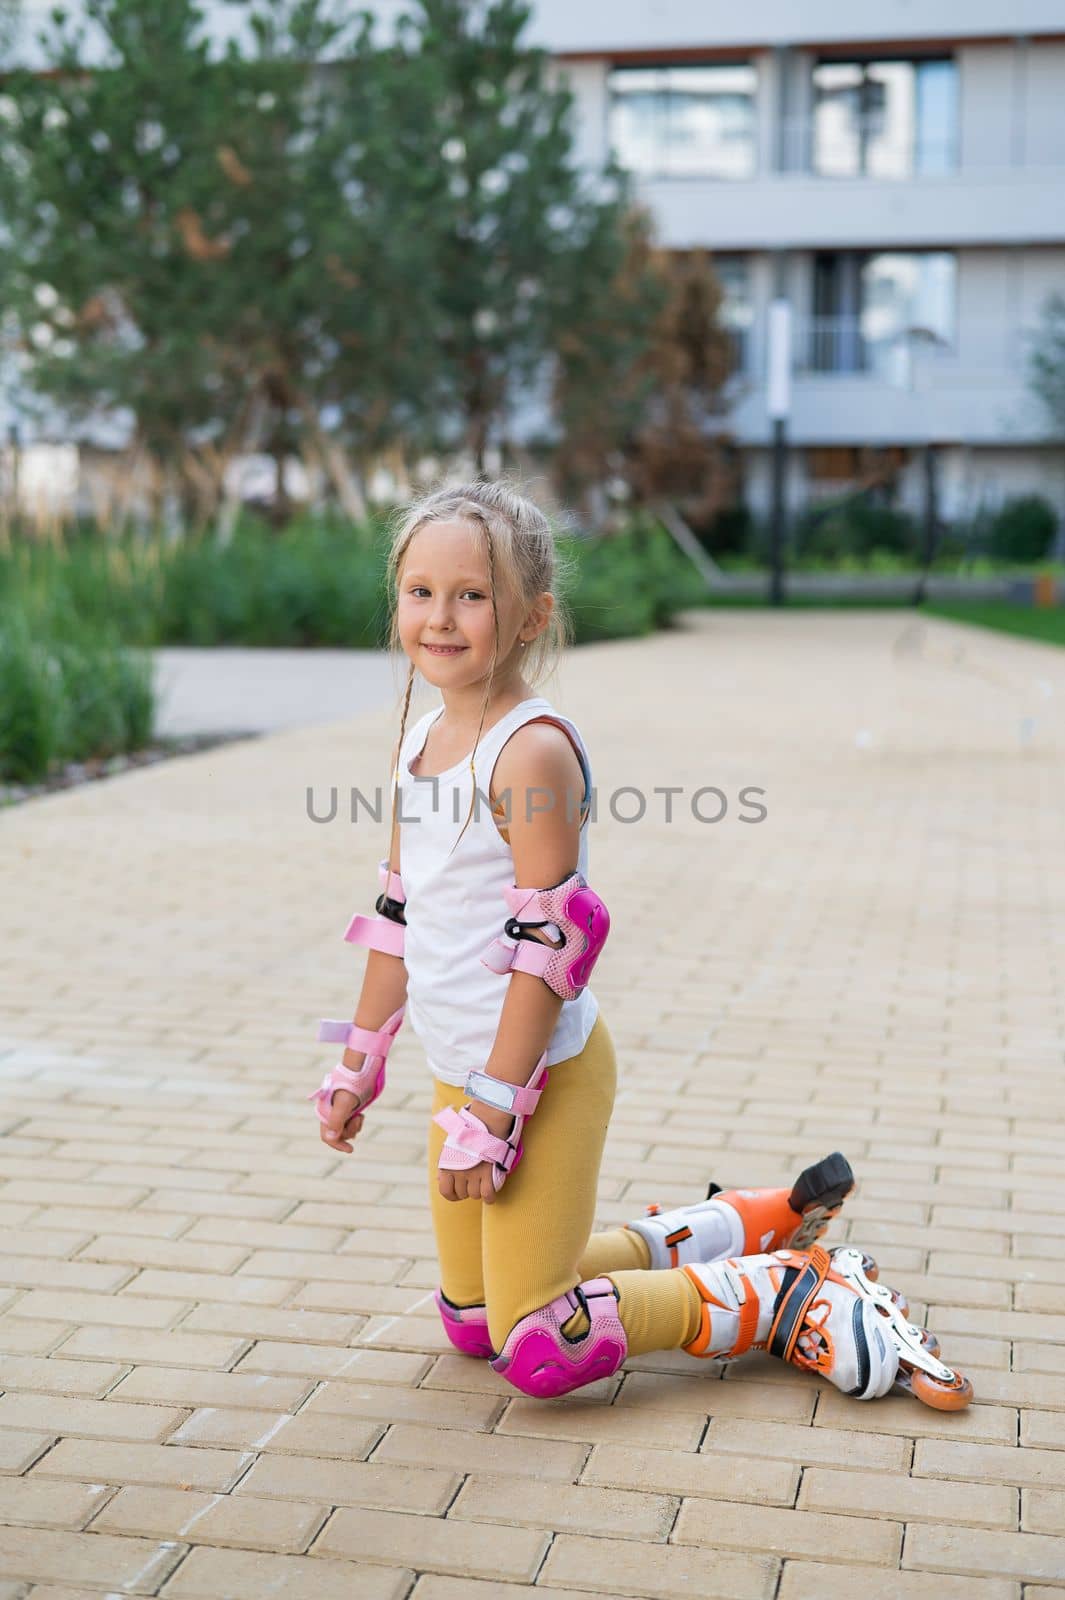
[(523, 643)]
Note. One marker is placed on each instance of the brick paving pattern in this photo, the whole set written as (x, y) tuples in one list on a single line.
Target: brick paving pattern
[(223, 1376)]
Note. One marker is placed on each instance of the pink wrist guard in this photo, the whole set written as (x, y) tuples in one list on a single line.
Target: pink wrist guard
[(369, 1080), (573, 914), (469, 1142), (385, 932)]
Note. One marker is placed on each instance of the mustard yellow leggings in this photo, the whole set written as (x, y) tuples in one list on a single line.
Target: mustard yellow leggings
[(535, 1241)]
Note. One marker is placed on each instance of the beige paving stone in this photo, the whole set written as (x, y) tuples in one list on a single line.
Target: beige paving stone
[(1027, 1356), (202, 1204), (248, 1522), (874, 1494), (608, 1513), (120, 1310), (92, 1419), (981, 1553), (135, 1566), (873, 1452), (775, 1532), (989, 1463), (36, 1503), (352, 1483), (316, 1361), (1042, 1430), (178, 1386), (26, 1336), (681, 1473), (138, 1223), (483, 1452), (813, 1580), (657, 1391), (899, 1413), (99, 1460), (249, 1575), (1043, 1511), (236, 1290), (145, 1250), (148, 1347), (390, 1403), (91, 1379), (663, 1572), (433, 1544), (264, 1322), (20, 1449), (24, 1272), (596, 1424), (434, 1586), (348, 1438)]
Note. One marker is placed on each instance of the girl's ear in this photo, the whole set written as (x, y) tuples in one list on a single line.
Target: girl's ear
[(540, 614)]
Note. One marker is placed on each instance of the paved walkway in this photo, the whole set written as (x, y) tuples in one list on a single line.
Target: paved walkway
[(224, 1375), (264, 691)]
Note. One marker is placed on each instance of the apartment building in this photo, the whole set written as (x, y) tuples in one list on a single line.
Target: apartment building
[(897, 171)]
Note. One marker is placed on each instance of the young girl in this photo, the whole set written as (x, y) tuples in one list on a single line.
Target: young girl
[(487, 932)]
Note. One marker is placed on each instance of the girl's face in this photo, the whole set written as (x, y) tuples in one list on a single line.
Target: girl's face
[(444, 598)]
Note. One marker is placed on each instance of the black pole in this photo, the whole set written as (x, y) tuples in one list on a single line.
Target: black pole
[(778, 527)]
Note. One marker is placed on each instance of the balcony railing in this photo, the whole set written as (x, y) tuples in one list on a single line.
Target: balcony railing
[(843, 347), (868, 149)]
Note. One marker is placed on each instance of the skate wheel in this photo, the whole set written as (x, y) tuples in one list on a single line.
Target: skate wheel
[(899, 1300), (870, 1268), (941, 1396), (929, 1341)]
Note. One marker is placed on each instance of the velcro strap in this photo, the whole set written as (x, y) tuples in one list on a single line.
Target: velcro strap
[(787, 1324), (371, 1043), (524, 1100), (747, 1311), (527, 955), (467, 1136), (376, 933), (391, 882)]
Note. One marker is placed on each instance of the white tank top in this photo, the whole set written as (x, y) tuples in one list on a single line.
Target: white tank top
[(455, 905)]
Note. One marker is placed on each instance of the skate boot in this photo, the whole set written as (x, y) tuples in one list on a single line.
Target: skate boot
[(825, 1316), (738, 1222), (920, 1373)]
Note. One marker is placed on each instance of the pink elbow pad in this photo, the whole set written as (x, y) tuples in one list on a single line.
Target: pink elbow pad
[(572, 914), (386, 931)]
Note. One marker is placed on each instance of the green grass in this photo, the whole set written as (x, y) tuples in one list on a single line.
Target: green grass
[(1028, 622)]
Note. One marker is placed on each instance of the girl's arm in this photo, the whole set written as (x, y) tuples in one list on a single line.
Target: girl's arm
[(539, 767), (384, 990)]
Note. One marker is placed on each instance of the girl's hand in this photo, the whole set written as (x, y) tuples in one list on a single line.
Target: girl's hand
[(344, 1121), (476, 1184)]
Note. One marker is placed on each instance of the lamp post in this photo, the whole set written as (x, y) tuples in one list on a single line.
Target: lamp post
[(779, 407)]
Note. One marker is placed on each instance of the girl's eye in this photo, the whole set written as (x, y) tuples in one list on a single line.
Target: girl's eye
[(421, 589)]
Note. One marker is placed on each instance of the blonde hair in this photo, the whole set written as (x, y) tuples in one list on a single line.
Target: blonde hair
[(524, 560)]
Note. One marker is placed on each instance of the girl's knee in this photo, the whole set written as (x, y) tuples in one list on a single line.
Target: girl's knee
[(571, 1341)]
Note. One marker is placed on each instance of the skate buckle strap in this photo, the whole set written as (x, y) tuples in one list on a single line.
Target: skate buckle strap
[(796, 1299)]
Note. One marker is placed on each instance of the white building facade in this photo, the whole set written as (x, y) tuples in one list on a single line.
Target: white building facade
[(897, 171)]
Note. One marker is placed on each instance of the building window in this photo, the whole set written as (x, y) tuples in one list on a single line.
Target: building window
[(885, 119), (870, 310), (684, 122), (736, 311)]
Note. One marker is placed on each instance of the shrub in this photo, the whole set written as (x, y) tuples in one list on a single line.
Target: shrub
[(854, 530), (68, 692), (30, 706), (1023, 529)]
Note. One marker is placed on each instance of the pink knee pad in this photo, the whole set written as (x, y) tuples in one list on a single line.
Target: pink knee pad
[(540, 1360), (465, 1326)]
